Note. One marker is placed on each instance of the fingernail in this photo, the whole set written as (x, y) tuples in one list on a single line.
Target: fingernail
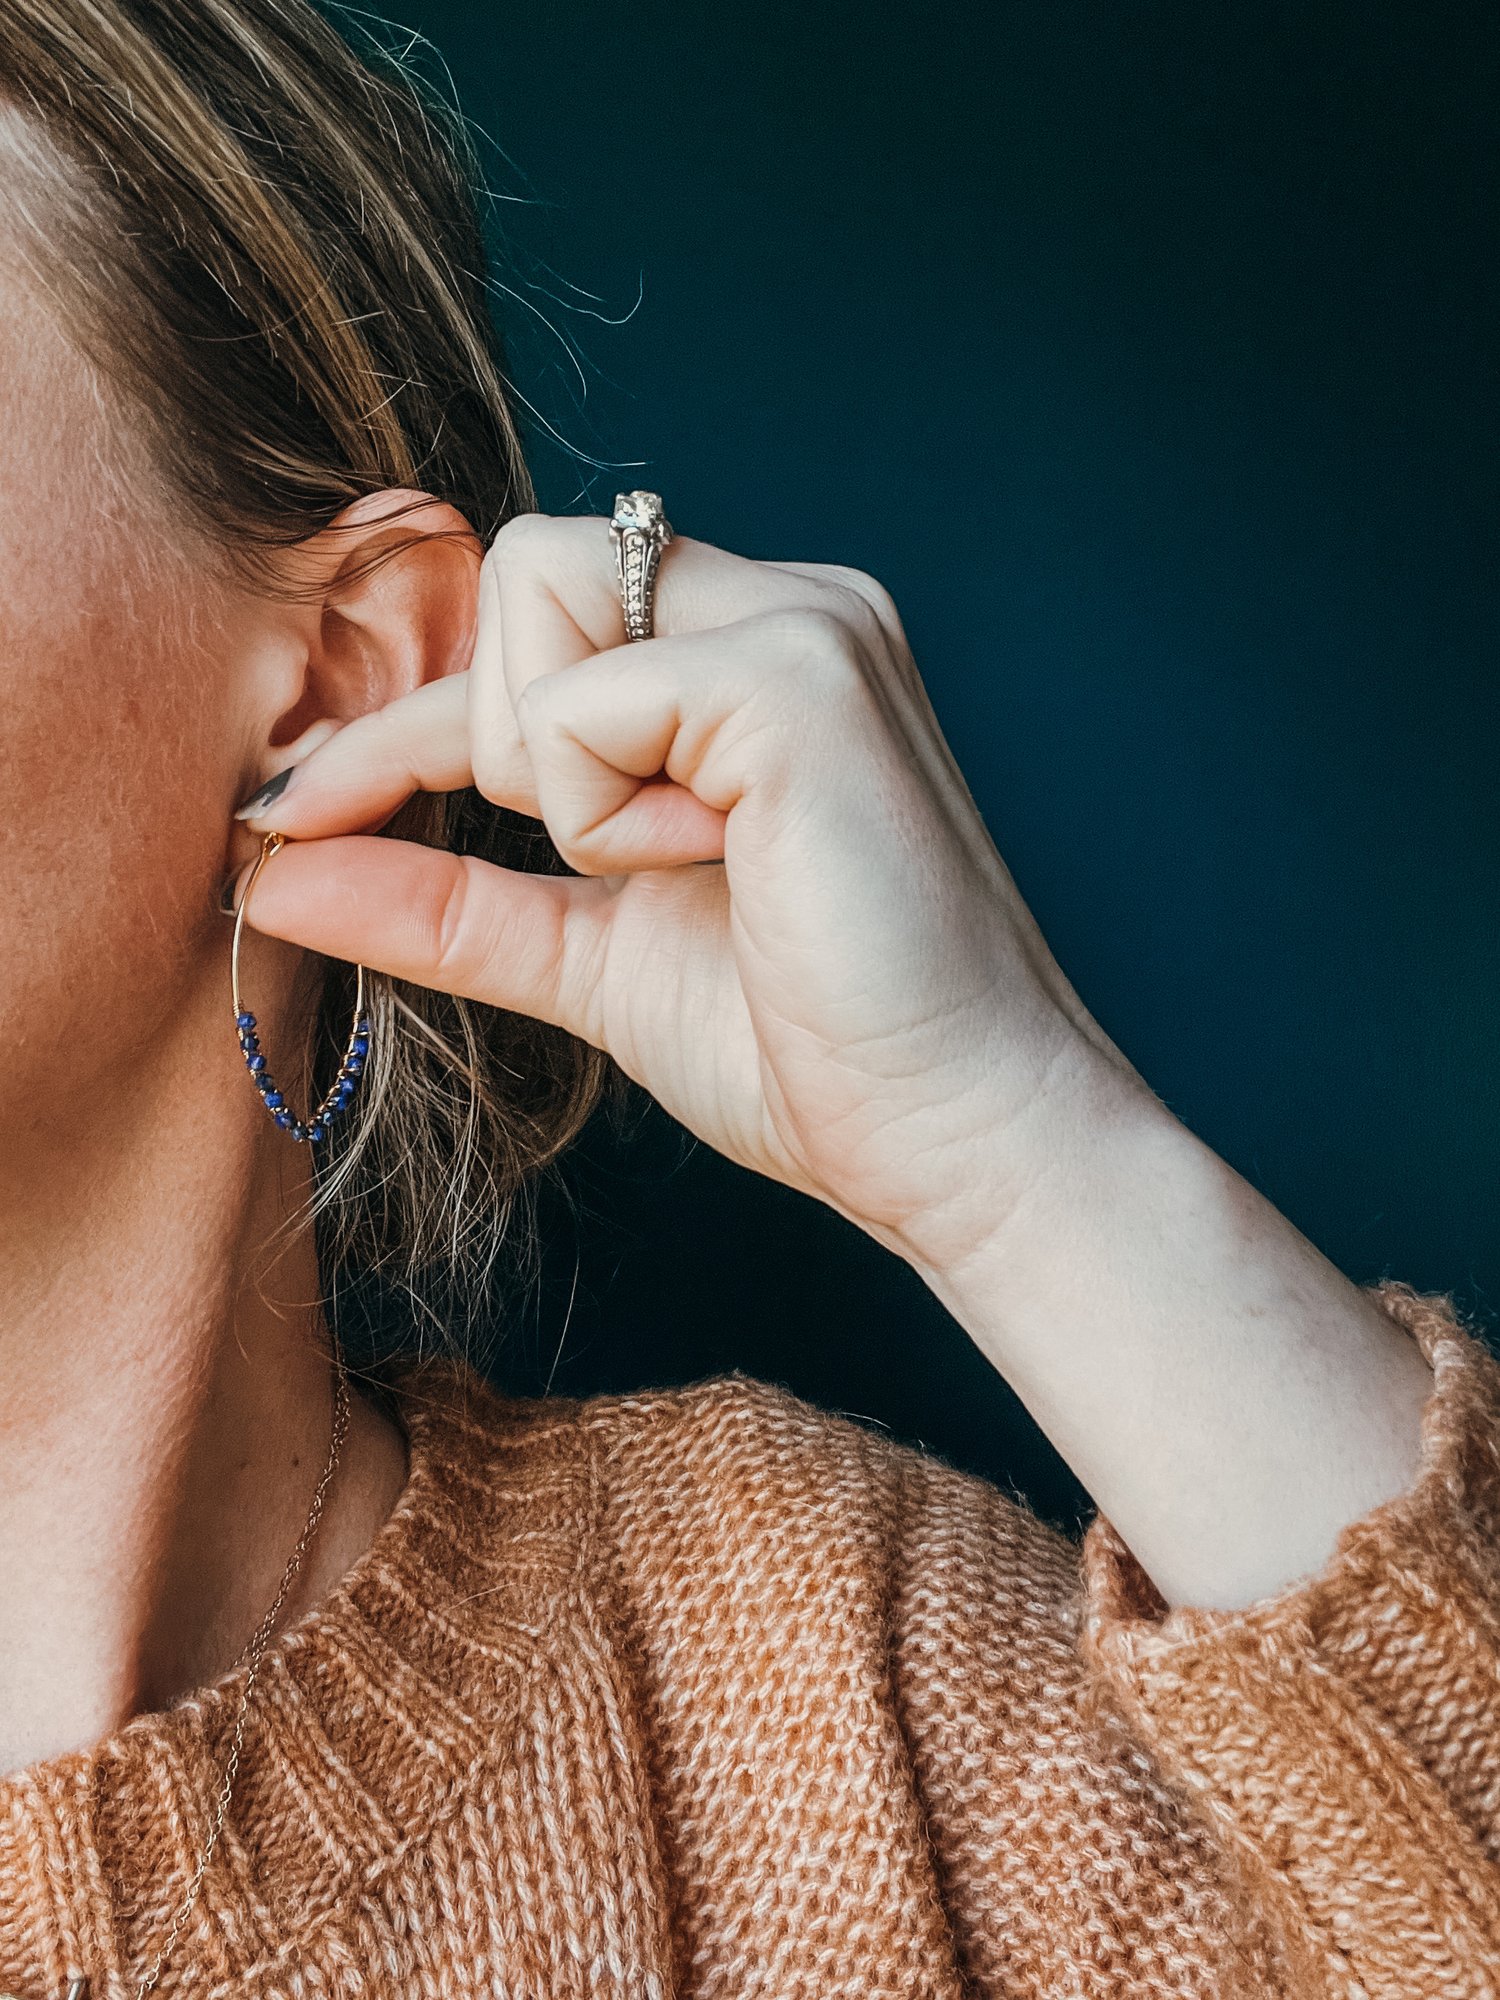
[(266, 794), (229, 890)]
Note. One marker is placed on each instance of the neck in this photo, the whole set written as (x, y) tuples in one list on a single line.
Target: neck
[(167, 1395)]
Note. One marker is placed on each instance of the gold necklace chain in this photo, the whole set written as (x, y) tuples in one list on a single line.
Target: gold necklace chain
[(254, 1651)]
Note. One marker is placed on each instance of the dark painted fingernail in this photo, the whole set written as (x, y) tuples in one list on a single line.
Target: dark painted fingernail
[(228, 899), (271, 790)]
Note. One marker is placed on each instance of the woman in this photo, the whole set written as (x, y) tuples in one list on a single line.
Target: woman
[(692, 1692)]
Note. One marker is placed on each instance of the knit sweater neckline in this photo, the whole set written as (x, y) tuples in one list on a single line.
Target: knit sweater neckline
[(370, 1711)]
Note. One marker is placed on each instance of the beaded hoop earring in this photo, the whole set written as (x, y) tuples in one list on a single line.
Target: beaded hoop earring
[(336, 1098)]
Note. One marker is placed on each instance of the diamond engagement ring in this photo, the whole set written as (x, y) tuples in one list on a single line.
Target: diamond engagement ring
[(640, 531)]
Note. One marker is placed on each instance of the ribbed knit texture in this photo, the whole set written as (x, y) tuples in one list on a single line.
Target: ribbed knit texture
[(706, 1692)]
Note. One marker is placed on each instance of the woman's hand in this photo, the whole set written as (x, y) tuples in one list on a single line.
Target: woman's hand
[(851, 997)]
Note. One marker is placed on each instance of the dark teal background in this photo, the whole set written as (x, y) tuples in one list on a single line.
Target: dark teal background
[(1146, 353)]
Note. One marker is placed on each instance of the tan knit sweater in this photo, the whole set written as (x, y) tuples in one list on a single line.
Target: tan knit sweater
[(705, 1692)]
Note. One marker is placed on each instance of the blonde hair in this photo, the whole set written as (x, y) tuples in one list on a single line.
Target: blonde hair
[(271, 243)]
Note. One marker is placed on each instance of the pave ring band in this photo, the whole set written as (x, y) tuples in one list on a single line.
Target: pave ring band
[(640, 531)]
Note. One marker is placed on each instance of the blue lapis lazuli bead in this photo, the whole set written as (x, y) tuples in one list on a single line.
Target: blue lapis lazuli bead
[(274, 1102), (360, 1043), (314, 1132), (354, 1064), (256, 1061), (244, 1020), (283, 1118)]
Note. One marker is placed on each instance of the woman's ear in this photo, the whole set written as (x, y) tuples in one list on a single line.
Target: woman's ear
[(393, 593)]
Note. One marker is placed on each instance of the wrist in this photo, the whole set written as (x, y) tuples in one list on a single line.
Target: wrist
[(1226, 1394), (1028, 1185)]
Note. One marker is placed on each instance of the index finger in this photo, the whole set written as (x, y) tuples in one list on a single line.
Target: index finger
[(360, 776)]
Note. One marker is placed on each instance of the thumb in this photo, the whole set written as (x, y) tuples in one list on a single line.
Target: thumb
[(528, 943)]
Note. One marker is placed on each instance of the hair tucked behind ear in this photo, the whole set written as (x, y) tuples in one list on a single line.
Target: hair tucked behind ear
[(270, 242)]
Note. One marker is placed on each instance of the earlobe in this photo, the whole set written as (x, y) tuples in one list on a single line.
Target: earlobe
[(396, 576)]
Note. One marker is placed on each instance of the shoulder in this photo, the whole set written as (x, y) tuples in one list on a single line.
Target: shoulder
[(734, 1495), (772, 1558), (833, 1630), (738, 1515), (767, 1487), (731, 1522), (847, 1660)]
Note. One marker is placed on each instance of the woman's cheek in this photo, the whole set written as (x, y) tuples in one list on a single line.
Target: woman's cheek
[(112, 830)]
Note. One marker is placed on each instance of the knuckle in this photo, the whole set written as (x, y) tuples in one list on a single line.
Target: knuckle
[(867, 605), (818, 637), (459, 948), (582, 859), (536, 709), (492, 765), (573, 837), (541, 709), (873, 594), (516, 539), (390, 729), (388, 741)]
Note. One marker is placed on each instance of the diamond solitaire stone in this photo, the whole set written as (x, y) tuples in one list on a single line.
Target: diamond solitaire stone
[(638, 511)]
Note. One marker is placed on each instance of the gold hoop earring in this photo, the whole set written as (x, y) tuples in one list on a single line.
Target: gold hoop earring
[(336, 1099)]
